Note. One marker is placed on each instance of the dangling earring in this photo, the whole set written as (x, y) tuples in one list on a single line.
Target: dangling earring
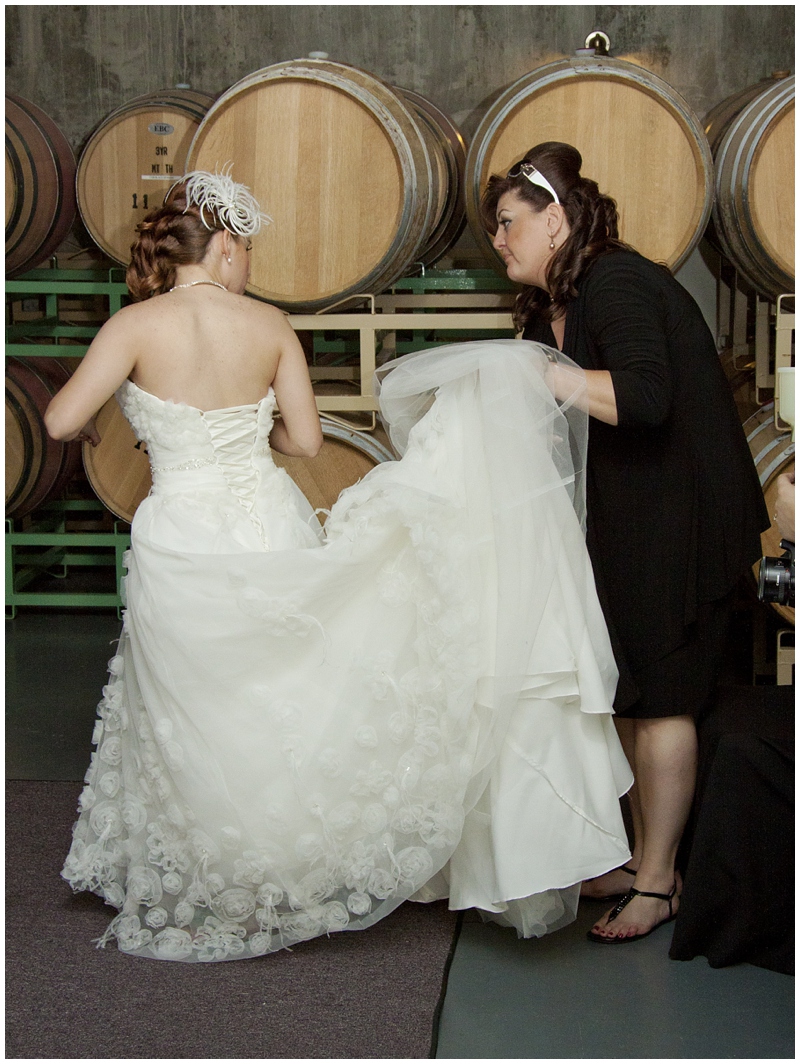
[(229, 258), (552, 245)]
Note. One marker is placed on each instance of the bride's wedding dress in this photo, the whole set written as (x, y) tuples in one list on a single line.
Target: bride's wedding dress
[(301, 730)]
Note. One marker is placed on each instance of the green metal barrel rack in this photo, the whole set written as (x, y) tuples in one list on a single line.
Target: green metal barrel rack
[(43, 544)]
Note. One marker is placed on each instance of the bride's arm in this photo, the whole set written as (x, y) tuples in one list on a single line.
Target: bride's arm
[(297, 432), (107, 363)]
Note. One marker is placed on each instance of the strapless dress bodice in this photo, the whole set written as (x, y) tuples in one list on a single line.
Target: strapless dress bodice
[(230, 443)]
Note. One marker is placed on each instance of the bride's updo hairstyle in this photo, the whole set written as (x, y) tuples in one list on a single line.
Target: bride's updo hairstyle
[(592, 217), (179, 232), (170, 236)]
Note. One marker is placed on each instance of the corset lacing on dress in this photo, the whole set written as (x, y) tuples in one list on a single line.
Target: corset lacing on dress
[(235, 441), (233, 434)]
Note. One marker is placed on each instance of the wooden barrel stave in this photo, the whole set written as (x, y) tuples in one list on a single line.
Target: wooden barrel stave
[(638, 137), (346, 222), (451, 153), (40, 186), (346, 456), (25, 444), (117, 183), (118, 468), (753, 216), (50, 464)]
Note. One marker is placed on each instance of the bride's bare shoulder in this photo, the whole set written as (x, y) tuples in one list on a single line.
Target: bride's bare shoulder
[(266, 311)]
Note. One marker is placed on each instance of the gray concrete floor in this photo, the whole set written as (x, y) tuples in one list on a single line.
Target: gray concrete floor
[(565, 997), (55, 669)]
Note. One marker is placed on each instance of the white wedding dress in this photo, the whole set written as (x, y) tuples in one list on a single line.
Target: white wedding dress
[(302, 730)]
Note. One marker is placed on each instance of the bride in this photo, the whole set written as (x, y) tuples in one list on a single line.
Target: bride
[(302, 729)]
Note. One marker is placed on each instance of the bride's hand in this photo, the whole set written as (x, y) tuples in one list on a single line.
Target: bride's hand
[(89, 433)]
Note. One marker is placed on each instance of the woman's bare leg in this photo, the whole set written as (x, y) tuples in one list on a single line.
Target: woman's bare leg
[(665, 767)]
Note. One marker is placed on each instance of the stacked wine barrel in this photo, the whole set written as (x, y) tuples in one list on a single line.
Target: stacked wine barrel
[(40, 186), (752, 138), (361, 180), (638, 137), (364, 181), (37, 467), (131, 160)]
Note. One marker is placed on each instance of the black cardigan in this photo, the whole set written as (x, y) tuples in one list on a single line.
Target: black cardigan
[(674, 504)]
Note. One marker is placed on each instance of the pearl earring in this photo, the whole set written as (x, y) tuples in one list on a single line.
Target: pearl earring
[(552, 245), (229, 258)]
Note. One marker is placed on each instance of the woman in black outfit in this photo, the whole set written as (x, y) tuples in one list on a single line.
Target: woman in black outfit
[(674, 504)]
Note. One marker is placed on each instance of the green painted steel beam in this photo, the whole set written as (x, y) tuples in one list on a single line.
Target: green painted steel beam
[(60, 599), (46, 350), (114, 275), (49, 328), (66, 288), (67, 539)]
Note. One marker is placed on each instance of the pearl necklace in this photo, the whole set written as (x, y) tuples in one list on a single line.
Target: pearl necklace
[(191, 284)]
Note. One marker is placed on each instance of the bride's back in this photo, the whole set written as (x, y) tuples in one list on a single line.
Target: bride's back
[(191, 335), (206, 347)]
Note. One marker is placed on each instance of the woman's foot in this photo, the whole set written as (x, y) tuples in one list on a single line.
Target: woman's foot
[(640, 914), (611, 884)]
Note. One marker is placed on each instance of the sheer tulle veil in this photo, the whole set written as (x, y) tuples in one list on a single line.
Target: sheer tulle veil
[(522, 470)]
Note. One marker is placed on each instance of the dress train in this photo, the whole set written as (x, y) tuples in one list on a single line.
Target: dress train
[(302, 730)]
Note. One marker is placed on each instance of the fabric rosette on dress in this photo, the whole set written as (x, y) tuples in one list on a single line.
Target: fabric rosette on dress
[(302, 730)]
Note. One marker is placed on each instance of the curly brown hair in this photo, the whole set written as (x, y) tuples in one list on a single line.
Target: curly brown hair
[(170, 236), (593, 220)]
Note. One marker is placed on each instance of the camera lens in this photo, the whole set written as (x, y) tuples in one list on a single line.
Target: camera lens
[(776, 580)]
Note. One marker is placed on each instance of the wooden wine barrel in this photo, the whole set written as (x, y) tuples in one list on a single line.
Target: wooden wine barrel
[(639, 139), (40, 186), (338, 161), (346, 456), (448, 152), (773, 453), (118, 469), (752, 138), (131, 160), (37, 467), (24, 444)]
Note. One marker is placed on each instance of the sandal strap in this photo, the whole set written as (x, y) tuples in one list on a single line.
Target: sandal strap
[(651, 894), (634, 893), (630, 871)]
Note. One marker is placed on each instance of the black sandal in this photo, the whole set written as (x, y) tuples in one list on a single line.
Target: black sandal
[(624, 900), (610, 897)]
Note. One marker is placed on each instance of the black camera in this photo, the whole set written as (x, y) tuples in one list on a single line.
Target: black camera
[(776, 577)]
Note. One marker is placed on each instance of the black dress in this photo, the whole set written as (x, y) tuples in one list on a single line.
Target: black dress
[(738, 896), (675, 509)]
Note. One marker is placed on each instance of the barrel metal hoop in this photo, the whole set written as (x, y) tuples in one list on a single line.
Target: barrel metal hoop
[(360, 440), (733, 212), (776, 463), (34, 186), (57, 171)]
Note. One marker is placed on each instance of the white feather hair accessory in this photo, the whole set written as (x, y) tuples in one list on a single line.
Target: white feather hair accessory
[(234, 204)]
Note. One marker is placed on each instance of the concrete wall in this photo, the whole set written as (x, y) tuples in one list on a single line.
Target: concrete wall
[(79, 62)]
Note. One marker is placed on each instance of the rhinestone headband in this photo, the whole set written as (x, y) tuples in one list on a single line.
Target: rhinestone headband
[(535, 177)]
